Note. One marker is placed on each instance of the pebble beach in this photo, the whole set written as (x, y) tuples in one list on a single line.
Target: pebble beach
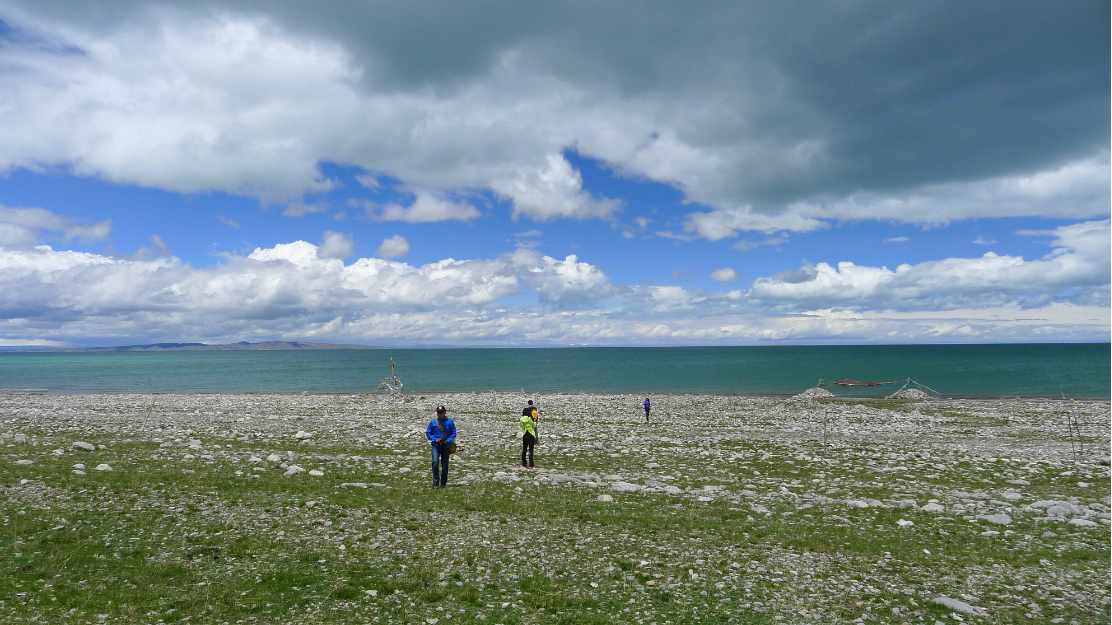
[(724, 509)]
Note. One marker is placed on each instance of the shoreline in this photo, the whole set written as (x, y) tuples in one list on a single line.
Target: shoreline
[(774, 396)]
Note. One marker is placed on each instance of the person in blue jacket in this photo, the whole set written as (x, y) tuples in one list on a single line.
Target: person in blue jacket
[(647, 405), (441, 433)]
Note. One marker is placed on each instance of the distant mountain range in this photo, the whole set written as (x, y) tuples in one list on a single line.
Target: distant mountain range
[(200, 347)]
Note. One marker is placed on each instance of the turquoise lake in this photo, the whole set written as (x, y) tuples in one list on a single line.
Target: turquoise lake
[(1079, 371)]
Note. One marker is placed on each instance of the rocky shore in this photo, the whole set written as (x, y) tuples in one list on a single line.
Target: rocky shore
[(721, 509)]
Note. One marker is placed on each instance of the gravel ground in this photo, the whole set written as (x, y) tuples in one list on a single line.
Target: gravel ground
[(318, 508)]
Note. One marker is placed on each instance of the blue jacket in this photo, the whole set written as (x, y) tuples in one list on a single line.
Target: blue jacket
[(433, 432)]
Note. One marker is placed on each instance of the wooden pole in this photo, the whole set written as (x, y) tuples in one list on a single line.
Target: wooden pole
[(149, 411)]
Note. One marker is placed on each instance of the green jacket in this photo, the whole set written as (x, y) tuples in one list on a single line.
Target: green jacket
[(527, 426)]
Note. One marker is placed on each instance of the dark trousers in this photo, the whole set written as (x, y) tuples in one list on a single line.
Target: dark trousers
[(440, 464), (527, 445), (646, 414)]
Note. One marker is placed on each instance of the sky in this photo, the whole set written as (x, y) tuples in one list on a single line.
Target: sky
[(558, 174)]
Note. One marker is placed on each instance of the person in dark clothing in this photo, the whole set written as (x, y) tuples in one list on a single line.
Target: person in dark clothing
[(528, 434), (441, 434), (647, 406)]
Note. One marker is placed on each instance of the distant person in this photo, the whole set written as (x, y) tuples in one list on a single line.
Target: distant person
[(648, 405), (529, 419), (442, 434)]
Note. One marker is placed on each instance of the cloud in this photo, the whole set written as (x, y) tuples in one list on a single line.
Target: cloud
[(772, 119), (369, 181), (26, 227), (725, 274), (394, 247), (300, 209), (1077, 270), (529, 234), (289, 285), (425, 208), (725, 223), (293, 290), (336, 245), (746, 246), (227, 221), (897, 240), (552, 192)]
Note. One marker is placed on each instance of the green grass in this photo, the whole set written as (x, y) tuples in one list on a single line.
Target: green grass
[(148, 542)]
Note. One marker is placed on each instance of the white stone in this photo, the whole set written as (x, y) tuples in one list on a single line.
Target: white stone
[(371, 593), (254, 459), (1083, 523), (59, 452), (353, 485), (958, 606), (316, 473), (19, 438), (933, 507), (624, 487), (857, 503), (302, 435), (293, 470), (904, 523), (83, 445), (998, 519), (605, 498), (274, 458), (705, 498), (103, 467), (23, 462), (79, 466), (166, 444), (1057, 511), (1011, 496), (404, 470)]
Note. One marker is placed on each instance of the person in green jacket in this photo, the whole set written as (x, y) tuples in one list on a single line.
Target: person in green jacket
[(528, 434)]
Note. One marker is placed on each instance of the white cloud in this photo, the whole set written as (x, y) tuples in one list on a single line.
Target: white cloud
[(26, 227), (746, 246), (897, 240), (394, 247), (725, 274), (292, 284), (563, 282), (426, 208), (1080, 263), (980, 240), (300, 209), (228, 221), (336, 245), (551, 192), (294, 291), (727, 222)]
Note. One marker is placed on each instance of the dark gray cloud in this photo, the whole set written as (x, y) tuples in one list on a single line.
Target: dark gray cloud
[(795, 100)]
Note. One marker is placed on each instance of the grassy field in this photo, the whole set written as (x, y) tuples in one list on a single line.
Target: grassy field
[(727, 510)]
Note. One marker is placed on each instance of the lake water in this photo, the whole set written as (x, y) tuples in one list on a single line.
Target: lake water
[(1024, 370)]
